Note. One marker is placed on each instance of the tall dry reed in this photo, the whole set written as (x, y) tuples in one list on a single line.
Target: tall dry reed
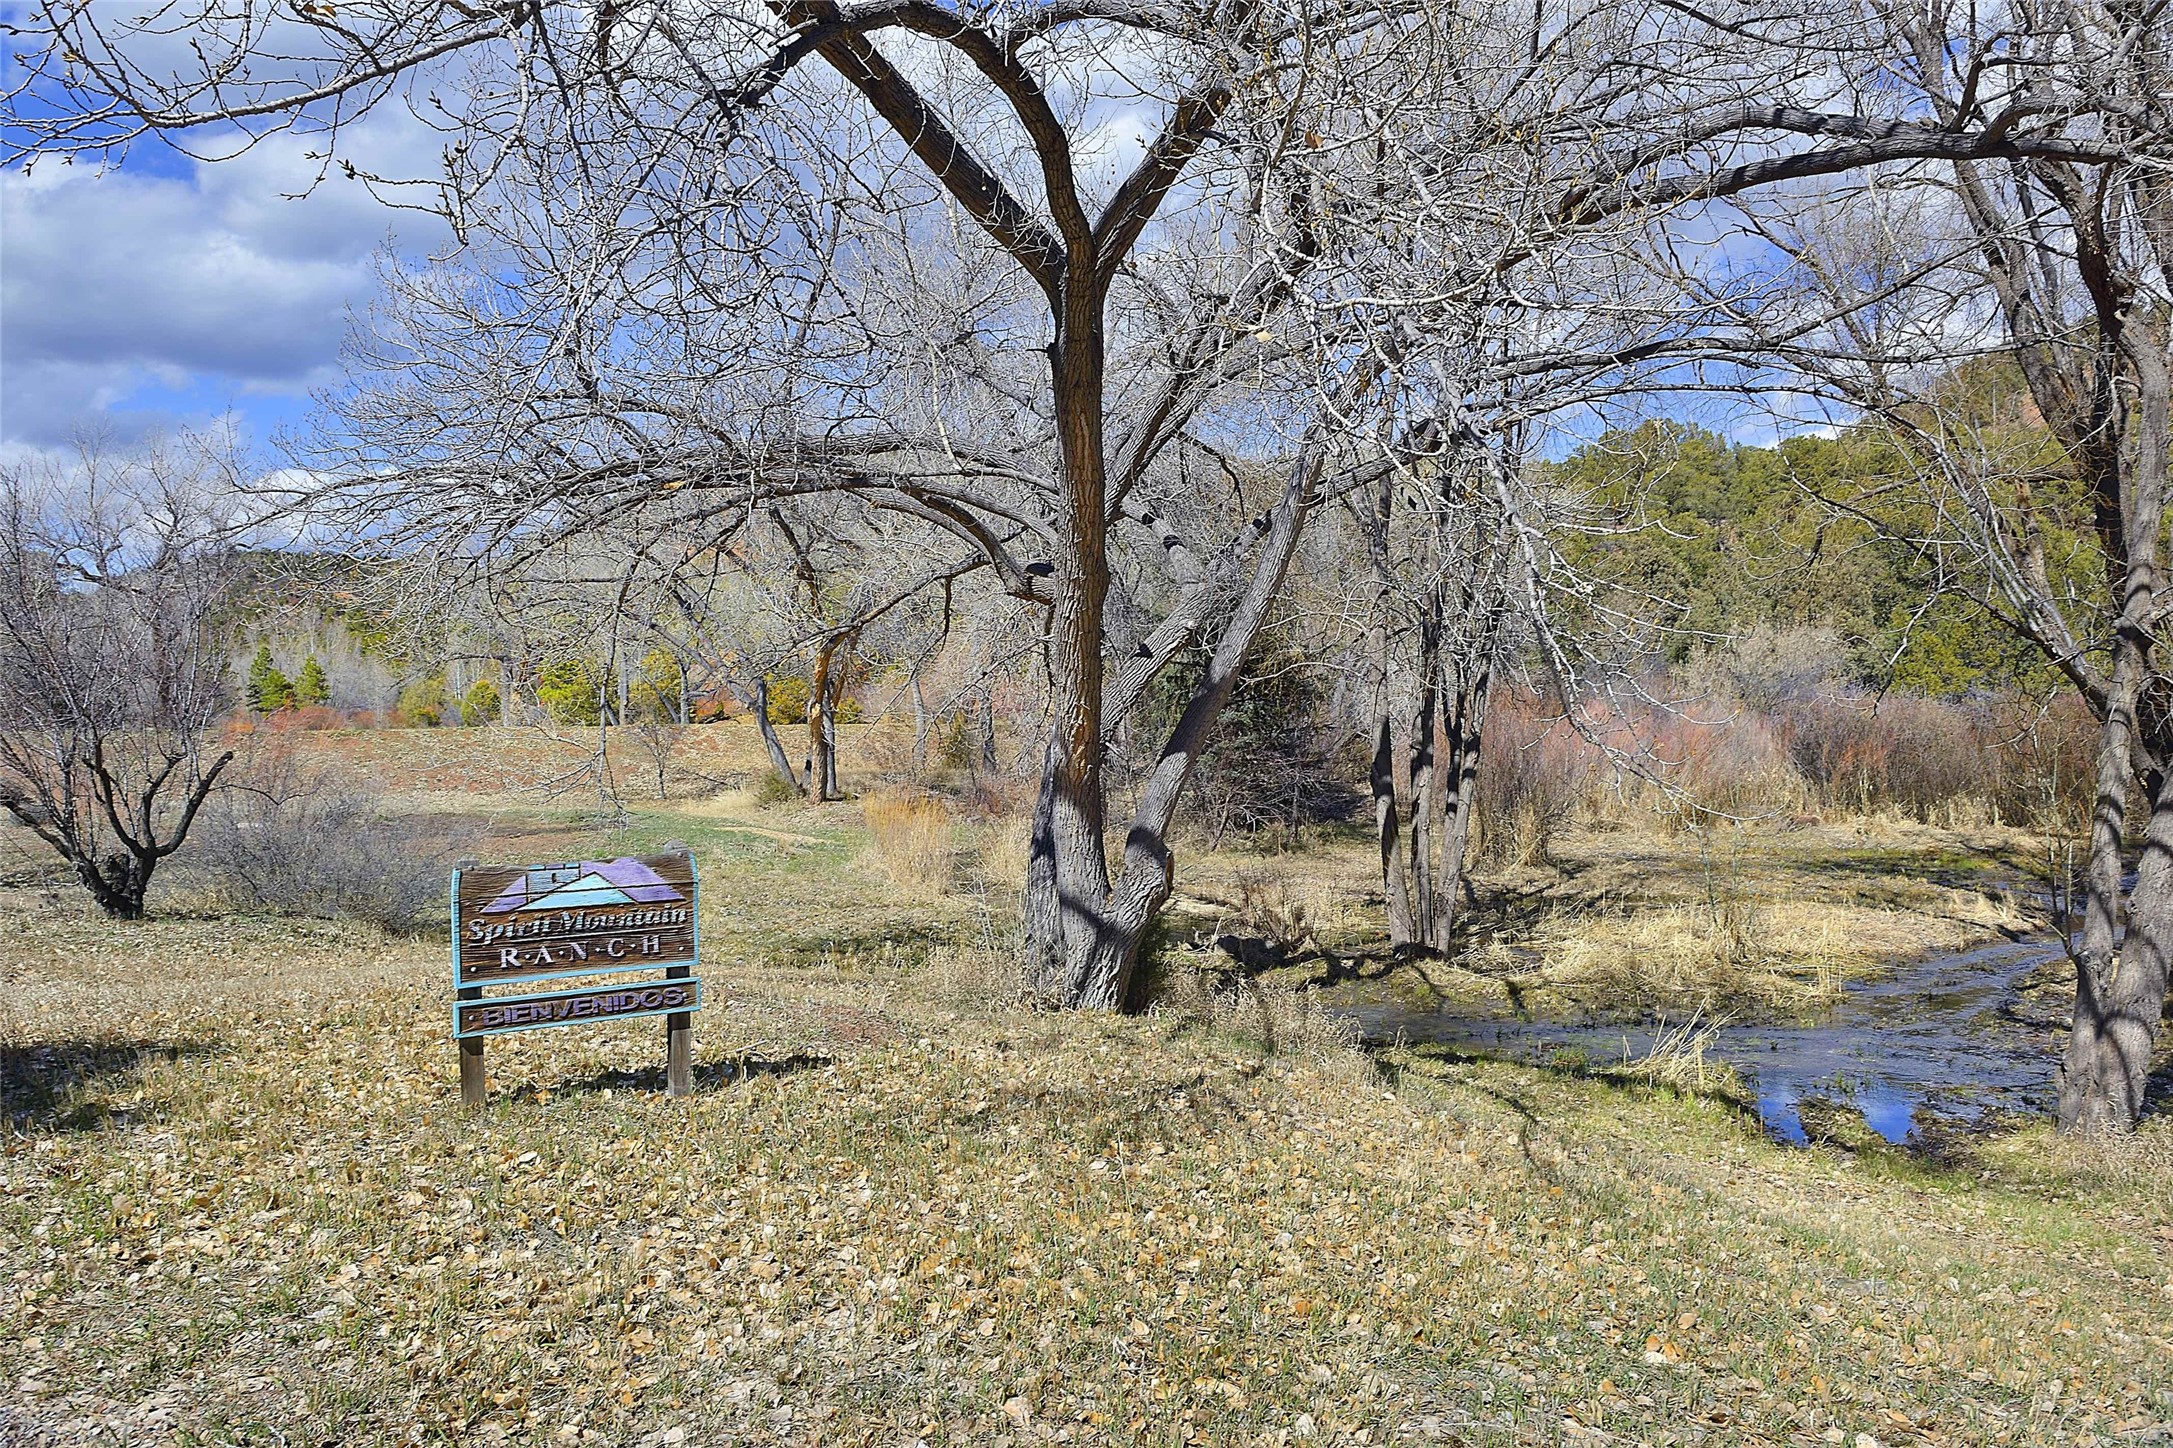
[(910, 840)]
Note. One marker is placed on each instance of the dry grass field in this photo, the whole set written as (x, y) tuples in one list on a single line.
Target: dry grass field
[(240, 1203)]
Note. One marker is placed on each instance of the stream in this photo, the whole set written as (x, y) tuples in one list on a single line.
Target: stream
[(1932, 1043)]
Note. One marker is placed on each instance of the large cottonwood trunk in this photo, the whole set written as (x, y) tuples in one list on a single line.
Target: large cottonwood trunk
[(1080, 947), (2120, 976), (1083, 929), (2120, 980)]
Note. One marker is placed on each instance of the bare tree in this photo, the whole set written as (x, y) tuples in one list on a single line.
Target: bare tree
[(117, 609), (1434, 635), (1106, 314), (2008, 326)]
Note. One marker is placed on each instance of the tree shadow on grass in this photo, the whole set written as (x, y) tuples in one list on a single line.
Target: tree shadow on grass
[(2158, 1088), (53, 1086), (708, 1076)]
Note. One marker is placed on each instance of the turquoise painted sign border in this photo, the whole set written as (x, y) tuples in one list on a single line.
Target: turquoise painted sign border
[(631, 988)]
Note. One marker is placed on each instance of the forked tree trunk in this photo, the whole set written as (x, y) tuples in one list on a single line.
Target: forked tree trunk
[(119, 878), (1083, 929), (119, 883), (821, 732), (1388, 832), (826, 786), (2120, 982), (1460, 785), (822, 718), (1422, 873), (1426, 809)]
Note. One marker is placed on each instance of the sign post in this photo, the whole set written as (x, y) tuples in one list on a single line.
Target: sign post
[(679, 1042), (525, 924), (474, 1075)]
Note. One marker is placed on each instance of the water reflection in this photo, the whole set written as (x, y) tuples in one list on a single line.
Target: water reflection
[(1929, 1044)]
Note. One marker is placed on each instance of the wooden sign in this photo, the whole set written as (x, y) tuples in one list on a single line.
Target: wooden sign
[(498, 1014), (586, 917), (521, 924)]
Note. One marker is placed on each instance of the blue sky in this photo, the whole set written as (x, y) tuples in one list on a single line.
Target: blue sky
[(166, 292)]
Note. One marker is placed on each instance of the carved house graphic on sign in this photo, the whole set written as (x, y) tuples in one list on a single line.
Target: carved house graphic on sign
[(584, 885)]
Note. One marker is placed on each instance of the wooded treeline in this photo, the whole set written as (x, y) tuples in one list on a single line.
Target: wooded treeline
[(1110, 348)]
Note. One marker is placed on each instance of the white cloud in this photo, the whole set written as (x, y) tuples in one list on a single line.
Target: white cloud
[(207, 285)]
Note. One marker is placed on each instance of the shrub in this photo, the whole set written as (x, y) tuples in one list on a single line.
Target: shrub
[(481, 704), (1534, 771), (2041, 759), (788, 699), (311, 841), (307, 717), (773, 789), (1732, 768), (956, 744), (1772, 666), (1911, 754), (1266, 765), (421, 705), (570, 691), (1269, 912), (658, 738), (654, 691)]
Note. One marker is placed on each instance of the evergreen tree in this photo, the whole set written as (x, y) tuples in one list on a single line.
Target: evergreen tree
[(422, 704), (312, 688), (269, 689)]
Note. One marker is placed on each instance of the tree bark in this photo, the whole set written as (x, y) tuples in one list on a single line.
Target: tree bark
[(822, 719), (780, 762), (1465, 732), (2120, 977), (1084, 931), (1423, 838), (1076, 949), (119, 885), (1388, 831)]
